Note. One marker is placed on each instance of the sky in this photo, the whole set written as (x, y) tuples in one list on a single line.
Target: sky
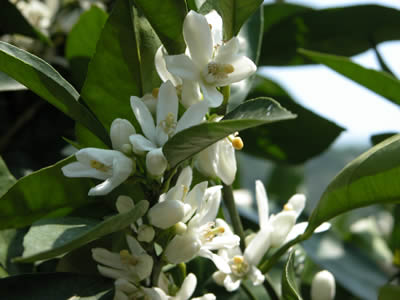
[(338, 99)]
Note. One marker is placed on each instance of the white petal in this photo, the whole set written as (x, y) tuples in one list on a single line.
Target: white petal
[(192, 116), (232, 283), (256, 276), (190, 93), (215, 20), (167, 102), (77, 169), (120, 131), (87, 155), (151, 103), (166, 214), (262, 204), (205, 161), (144, 117), (125, 286), (134, 246), (219, 262), (107, 258), (161, 136), (219, 277), (140, 144), (211, 95), (198, 38), (281, 225), (182, 248), (258, 246), (297, 203), (181, 65), (187, 288), (323, 227), (156, 163), (185, 177), (112, 273), (227, 51), (225, 167), (161, 67), (124, 204), (194, 199), (209, 210), (243, 68)]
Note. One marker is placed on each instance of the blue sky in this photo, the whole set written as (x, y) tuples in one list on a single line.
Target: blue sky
[(327, 93)]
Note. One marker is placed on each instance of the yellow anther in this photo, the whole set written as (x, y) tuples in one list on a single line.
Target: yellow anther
[(99, 166), (239, 267), (169, 124), (228, 68), (238, 260), (209, 25), (237, 143), (154, 93), (127, 258), (288, 207)]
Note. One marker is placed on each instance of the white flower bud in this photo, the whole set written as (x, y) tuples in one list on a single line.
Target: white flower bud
[(145, 233), (120, 131), (182, 248), (156, 162), (323, 286), (166, 214)]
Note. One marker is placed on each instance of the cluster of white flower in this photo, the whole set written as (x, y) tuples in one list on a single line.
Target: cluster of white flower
[(186, 214)]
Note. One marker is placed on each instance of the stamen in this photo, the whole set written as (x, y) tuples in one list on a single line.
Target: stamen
[(99, 166), (237, 143), (169, 124), (216, 71), (239, 266), (127, 258), (287, 207), (211, 232)]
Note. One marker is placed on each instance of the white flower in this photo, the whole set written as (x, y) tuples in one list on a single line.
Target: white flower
[(133, 266), (157, 134), (203, 234), (323, 286), (120, 132), (186, 290), (179, 204), (219, 160), (109, 165), (210, 64)]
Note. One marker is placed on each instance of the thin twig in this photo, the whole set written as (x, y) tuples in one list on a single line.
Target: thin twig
[(270, 288)]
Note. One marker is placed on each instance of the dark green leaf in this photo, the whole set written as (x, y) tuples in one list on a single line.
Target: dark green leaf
[(294, 141), (12, 21), (6, 178), (377, 81), (82, 40), (44, 193), (9, 84), (276, 12), (377, 138), (372, 178), (320, 30), (234, 13), (166, 17), (350, 266), (55, 286), (290, 290), (252, 113), (45, 81), (389, 292), (50, 238)]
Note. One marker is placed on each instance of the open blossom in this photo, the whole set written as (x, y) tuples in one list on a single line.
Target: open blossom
[(211, 63), (157, 132), (109, 165), (204, 233), (133, 265)]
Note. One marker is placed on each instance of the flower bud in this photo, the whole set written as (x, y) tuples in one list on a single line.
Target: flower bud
[(166, 214), (182, 248), (323, 286), (145, 233), (156, 162), (120, 131)]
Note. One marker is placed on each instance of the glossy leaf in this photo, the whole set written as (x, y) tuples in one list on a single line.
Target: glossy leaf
[(372, 178), (52, 237), (320, 30), (44, 80), (12, 21), (290, 290), (252, 113), (350, 266), (234, 13), (44, 193), (6, 178), (377, 81), (82, 40), (275, 13), (9, 84), (55, 286), (378, 138), (389, 292), (294, 141), (166, 17)]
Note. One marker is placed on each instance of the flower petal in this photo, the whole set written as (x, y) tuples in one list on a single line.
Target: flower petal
[(297, 203), (77, 169), (161, 67), (281, 225), (211, 95), (166, 214), (226, 52), (190, 93), (181, 65), (187, 288), (140, 144), (144, 117), (215, 20), (262, 204), (219, 262), (156, 163), (198, 38), (258, 246), (232, 283), (208, 211), (167, 103), (225, 166), (192, 116), (185, 177), (120, 131), (182, 248), (243, 68), (124, 204)]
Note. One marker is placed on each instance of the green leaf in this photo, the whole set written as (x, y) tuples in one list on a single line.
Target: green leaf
[(9, 84), (320, 30), (52, 237), (166, 17), (12, 21), (6, 178), (377, 81), (290, 290), (55, 286), (372, 178), (389, 292), (294, 141), (252, 113), (378, 138), (44, 193), (81, 42), (118, 69), (234, 13), (44, 80)]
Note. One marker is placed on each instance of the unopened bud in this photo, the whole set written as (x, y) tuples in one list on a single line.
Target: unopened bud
[(237, 143), (180, 228), (146, 233), (323, 286), (156, 162)]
